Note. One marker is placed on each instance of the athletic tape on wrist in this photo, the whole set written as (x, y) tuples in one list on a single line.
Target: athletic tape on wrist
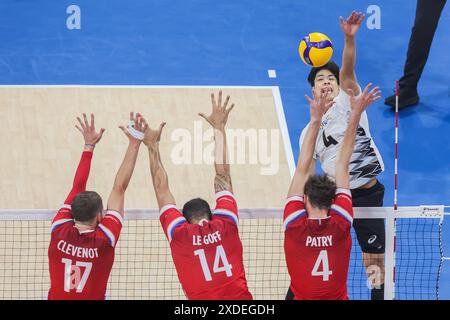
[(135, 133)]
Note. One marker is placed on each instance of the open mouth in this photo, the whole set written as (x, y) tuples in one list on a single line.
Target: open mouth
[(327, 90)]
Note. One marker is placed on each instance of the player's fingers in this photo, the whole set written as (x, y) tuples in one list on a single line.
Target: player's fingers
[(219, 103), (309, 99), (138, 121), (124, 130), (226, 101), (79, 129), (92, 121), (366, 89), (213, 100), (350, 92), (85, 121), (205, 117), (230, 108), (100, 135), (131, 116), (81, 123), (161, 126), (341, 21)]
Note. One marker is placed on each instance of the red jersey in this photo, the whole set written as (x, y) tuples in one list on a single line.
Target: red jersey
[(208, 257), (318, 250), (80, 262)]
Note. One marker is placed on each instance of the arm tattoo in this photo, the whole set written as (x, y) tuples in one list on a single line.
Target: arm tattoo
[(222, 182)]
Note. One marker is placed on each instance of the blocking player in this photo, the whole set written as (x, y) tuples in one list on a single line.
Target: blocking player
[(83, 239), (318, 214), (205, 244), (366, 162)]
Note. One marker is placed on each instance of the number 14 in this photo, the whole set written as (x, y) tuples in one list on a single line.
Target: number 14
[(220, 255)]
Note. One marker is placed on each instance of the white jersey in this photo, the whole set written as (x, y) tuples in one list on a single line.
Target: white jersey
[(365, 163)]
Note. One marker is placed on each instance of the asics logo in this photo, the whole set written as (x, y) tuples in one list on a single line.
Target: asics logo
[(372, 239)]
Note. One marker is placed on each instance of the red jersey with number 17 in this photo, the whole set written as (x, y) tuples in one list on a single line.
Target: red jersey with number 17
[(318, 250), (80, 262), (208, 257)]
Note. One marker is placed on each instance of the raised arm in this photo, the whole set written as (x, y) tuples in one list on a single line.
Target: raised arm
[(317, 109), (159, 174), (218, 119), (117, 197), (91, 138), (347, 75), (358, 105)]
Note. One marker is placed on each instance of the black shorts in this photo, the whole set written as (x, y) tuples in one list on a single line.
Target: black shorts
[(370, 232)]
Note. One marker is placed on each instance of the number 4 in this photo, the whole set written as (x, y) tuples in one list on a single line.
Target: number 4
[(326, 272)]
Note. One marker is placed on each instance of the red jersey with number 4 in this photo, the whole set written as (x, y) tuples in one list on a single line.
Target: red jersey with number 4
[(318, 250), (80, 262), (208, 257)]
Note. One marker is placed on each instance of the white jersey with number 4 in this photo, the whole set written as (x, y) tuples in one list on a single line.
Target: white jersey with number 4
[(365, 163)]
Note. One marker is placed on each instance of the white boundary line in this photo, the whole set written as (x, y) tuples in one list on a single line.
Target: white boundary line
[(284, 129), (244, 213)]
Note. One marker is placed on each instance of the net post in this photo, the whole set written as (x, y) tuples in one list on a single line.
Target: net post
[(389, 260)]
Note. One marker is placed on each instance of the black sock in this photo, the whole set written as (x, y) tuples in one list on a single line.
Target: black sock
[(378, 294)]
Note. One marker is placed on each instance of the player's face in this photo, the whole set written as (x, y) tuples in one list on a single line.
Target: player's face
[(325, 81)]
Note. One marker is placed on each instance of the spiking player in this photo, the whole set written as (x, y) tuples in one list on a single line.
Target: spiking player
[(366, 162), (318, 214), (83, 240), (205, 245)]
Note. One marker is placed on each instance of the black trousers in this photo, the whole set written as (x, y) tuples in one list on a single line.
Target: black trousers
[(428, 13)]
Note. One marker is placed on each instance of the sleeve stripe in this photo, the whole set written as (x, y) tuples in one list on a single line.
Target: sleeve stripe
[(115, 214), (341, 211), (108, 234), (224, 193), (292, 217), (66, 206), (344, 191), (59, 222), (226, 213), (173, 225), (166, 207), (294, 198)]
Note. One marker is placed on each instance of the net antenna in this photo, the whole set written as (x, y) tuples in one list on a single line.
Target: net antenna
[(391, 222)]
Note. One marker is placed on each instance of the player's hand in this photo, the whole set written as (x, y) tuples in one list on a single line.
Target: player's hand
[(219, 116), (152, 137), (138, 123), (360, 103), (87, 129), (352, 24), (318, 106)]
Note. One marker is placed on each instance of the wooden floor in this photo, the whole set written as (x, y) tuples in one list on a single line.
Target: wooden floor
[(41, 147)]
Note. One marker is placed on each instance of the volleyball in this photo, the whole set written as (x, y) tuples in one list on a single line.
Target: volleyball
[(315, 49)]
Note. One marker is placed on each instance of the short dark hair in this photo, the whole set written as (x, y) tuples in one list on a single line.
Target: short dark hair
[(320, 190), (86, 205), (330, 66), (196, 209)]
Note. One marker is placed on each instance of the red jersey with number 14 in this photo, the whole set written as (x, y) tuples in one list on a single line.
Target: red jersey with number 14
[(318, 250), (80, 262), (208, 257)]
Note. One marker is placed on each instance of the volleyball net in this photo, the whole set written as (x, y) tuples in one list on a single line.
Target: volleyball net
[(143, 267)]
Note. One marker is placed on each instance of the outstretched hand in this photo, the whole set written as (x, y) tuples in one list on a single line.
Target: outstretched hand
[(360, 103), (319, 105), (352, 24), (91, 137), (152, 137), (219, 116), (138, 123)]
